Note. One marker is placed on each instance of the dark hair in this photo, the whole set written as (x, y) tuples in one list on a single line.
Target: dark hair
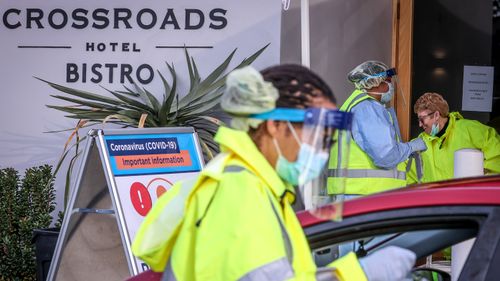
[(297, 85)]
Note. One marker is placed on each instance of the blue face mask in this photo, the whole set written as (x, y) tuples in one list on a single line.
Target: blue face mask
[(308, 166), (434, 129)]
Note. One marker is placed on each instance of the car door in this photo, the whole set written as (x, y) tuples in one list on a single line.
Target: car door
[(422, 230)]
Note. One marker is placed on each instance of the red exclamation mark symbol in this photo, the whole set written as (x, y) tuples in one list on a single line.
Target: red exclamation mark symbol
[(141, 200)]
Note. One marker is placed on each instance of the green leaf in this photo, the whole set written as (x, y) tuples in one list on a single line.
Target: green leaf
[(95, 116), (131, 103), (129, 92), (196, 72), (207, 97), (201, 107), (173, 94), (173, 116), (203, 125), (209, 80), (192, 77), (168, 97), (80, 93), (74, 110), (220, 82), (86, 103), (136, 115), (253, 57), (144, 97), (154, 101)]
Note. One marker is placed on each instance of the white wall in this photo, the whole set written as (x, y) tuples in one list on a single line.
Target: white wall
[(344, 33), (23, 115)]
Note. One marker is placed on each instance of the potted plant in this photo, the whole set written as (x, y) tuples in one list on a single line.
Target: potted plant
[(26, 205), (138, 107)]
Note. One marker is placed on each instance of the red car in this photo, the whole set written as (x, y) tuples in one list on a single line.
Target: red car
[(423, 218)]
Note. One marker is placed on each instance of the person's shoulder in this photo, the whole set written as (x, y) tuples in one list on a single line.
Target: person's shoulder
[(367, 103), (469, 123), (239, 177), (242, 184), (471, 127), (369, 107), (424, 136)]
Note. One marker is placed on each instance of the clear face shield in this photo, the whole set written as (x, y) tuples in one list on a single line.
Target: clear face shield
[(324, 141), (324, 131), (390, 76)]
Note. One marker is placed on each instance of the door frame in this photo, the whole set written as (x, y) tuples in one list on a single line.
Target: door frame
[(402, 59)]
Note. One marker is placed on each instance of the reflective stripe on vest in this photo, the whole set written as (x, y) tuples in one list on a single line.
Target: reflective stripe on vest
[(168, 274), (277, 270), (418, 165), (284, 234), (354, 100), (326, 274), (367, 173)]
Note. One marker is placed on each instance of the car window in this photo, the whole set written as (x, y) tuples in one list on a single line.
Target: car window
[(425, 231), (423, 242)]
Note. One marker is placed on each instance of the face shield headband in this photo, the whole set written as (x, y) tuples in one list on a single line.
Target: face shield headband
[(391, 73), (334, 119), (319, 124)]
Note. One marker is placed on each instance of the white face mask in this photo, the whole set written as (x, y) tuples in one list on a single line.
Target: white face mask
[(387, 96)]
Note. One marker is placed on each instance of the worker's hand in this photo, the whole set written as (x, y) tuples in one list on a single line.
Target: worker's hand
[(388, 264), (417, 145)]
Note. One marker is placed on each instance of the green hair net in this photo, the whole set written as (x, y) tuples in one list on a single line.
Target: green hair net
[(247, 93)]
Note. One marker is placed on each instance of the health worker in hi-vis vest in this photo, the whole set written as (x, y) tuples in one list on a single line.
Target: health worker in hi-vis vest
[(235, 220), (446, 132), (377, 155)]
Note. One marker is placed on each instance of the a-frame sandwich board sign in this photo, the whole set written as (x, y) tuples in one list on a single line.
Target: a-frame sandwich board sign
[(123, 172)]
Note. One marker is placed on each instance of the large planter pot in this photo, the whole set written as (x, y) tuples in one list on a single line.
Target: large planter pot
[(45, 241)]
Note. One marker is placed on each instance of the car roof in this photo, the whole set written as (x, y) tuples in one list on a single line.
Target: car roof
[(467, 191)]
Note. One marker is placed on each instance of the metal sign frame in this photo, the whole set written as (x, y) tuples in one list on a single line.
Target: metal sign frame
[(95, 202)]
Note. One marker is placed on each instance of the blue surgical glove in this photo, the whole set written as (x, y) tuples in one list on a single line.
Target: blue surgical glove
[(417, 145), (388, 264)]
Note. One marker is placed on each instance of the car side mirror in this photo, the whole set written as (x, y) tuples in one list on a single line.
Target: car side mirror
[(430, 274)]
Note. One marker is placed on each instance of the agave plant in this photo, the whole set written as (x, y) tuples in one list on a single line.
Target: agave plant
[(137, 107)]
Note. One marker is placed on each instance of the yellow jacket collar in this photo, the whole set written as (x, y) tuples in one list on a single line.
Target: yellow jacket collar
[(453, 117), (240, 144)]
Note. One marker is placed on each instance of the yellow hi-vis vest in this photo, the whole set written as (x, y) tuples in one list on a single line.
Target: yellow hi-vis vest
[(234, 222), (362, 177)]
